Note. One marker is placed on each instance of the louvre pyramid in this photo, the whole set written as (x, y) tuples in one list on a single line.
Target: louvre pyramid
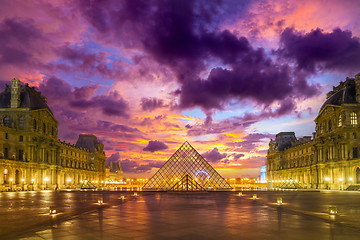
[(186, 170)]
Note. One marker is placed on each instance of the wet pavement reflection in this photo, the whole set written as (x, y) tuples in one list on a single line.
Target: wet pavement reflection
[(224, 215)]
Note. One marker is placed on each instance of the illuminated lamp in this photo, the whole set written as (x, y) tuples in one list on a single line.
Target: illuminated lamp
[(52, 210), (135, 194), (254, 197), (332, 210), (279, 201), (240, 194), (100, 201)]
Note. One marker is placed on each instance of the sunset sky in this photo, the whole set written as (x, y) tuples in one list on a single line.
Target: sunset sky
[(144, 76)]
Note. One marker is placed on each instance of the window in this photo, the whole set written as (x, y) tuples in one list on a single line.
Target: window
[(6, 153), (21, 154), (354, 135), (329, 124), (52, 131), (21, 122), (6, 136), (340, 121), (44, 128), (34, 124), (6, 121), (353, 118), (21, 139), (355, 152)]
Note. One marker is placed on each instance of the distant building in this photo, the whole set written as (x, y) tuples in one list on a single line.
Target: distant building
[(263, 174), (329, 160), (114, 173), (32, 156)]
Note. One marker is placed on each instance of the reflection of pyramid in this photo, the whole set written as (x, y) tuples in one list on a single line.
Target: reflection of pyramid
[(186, 170)]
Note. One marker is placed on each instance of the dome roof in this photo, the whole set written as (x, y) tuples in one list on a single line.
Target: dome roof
[(29, 98), (344, 93)]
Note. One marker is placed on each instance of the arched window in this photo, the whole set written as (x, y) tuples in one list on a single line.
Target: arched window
[(34, 124), (340, 121), (44, 128), (7, 121), (353, 119), (329, 124), (21, 122)]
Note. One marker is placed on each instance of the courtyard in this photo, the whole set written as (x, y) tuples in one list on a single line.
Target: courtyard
[(161, 215)]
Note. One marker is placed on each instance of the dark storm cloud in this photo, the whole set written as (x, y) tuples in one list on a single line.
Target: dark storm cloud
[(214, 155), (154, 146), (130, 166), (185, 36), (335, 50), (57, 90), (150, 104)]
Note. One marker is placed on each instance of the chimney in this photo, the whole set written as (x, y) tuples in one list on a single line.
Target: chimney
[(15, 93)]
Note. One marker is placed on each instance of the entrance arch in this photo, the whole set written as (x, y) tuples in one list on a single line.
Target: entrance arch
[(357, 175)]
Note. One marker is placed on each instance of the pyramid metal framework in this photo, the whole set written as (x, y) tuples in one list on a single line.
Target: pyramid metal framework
[(186, 170)]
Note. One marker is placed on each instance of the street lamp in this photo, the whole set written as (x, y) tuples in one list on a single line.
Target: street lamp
[(46, 179), (11, 184), (341, 186), (33, 182), (22, 180)]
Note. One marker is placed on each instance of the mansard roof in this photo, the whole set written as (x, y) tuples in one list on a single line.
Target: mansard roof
[(29, 98), (344, 93)]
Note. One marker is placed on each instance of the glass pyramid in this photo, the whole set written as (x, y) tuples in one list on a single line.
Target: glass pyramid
[(186, 170)]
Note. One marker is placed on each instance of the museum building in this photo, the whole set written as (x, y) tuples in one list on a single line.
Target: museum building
[(330, 159), (31, 155)]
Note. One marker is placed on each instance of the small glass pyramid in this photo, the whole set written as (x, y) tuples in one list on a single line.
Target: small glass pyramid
[(186, 170)]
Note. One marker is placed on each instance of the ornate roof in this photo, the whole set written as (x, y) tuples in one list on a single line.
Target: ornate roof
[(29, 98), (344, 93)]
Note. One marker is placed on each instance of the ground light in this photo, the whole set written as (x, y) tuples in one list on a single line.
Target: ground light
[(279, 201), (100, 201), (254, 197), (240, 194), (332, 210), (122, 197), (52, 210), (135, 194)]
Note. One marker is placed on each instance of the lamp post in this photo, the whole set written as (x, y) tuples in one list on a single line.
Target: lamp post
[(11, 184), (46, 179), (341, 184), (33, 183), (68, 180), (22, 180), (327, 179)]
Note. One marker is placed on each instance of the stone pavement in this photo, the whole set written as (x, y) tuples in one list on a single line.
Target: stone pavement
[(204, 216)]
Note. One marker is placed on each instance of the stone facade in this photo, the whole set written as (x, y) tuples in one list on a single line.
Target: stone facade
[(330, 159), (31, 155)]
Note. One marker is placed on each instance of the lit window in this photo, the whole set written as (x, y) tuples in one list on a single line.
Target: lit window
[(353, 119), (340, 121)]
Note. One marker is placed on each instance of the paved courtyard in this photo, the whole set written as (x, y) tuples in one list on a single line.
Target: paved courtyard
[(24, 215)]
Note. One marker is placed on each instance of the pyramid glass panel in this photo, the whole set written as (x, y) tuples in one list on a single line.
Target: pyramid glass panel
[(186, 170)]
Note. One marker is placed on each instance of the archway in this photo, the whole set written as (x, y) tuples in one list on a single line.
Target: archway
[(358, 175)]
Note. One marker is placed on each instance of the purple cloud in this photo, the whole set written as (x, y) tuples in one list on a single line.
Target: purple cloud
[(214, 155), (130, 166), (154, 146), (335, 50), (113, 158)]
